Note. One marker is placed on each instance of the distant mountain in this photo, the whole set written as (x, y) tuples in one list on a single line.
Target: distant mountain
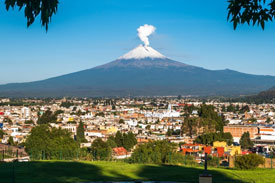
[(142, 72), (267, 96), (270, 93)]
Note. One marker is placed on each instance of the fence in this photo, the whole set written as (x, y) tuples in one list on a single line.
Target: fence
[(10, 154)]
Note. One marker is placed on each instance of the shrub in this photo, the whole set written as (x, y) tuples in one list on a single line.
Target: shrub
[(213, 161), (250, 161)]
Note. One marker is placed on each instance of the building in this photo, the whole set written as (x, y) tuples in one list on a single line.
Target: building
[(120, 153), (238, 130)]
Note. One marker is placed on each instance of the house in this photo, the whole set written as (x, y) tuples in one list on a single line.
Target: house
[(120, 153)]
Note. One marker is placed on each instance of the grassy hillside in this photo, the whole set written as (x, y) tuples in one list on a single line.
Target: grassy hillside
[(65, 171)]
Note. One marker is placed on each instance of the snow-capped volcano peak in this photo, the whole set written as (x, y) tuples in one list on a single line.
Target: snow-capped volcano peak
[(141, 52)]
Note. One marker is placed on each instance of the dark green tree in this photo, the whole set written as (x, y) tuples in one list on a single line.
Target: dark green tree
[(80, 136), (101, 150), (209, 138), (126, 140), (29, 122), (129, 140), (250, 12), (121, 121), (189, 109), (11, 141), (154, 152), (169, 132), (47, 117), (8, 120), (53, 143), (189, 126), (111, 141), (223, 108), (100, 114), (244, 109), (231, 108), (211, 117), (148, 127), (33, 8), (119, 139), (245, 141), (66, 104), (2, 133)]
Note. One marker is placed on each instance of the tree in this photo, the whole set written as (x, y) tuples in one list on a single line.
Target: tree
[(189, 126), (7, 120), (111, 141), (11, 141), (32, 8), (66, 104), (223, 108), (29, 122), (119, 139), (148, 127), (250, 12), (189, 109), (121, 121), (169, 132), (244, 109), (209, 138), (211, 118), (101, 150), (100, 114), (129, 140), (126, 140), (231, 108), (80, 136), (1, 133), (154, 152), (245, 141), (47, 117), (51, 142)]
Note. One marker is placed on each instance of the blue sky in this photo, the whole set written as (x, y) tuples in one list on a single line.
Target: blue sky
[(88, 33)]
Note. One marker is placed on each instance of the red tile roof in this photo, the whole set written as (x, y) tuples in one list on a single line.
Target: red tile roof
[(120, 151)]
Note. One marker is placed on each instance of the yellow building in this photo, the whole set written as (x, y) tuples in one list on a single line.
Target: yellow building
[(233, 150), (112, 130), (102, 127), (71, 119), (219, 144)]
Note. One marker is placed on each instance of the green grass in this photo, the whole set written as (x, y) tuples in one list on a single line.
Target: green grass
[(69, 171)]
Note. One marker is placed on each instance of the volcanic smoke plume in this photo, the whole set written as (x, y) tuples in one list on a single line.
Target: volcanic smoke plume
[(144, 32)]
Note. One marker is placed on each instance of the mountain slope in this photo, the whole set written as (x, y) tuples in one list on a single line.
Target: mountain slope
[(138, 73)]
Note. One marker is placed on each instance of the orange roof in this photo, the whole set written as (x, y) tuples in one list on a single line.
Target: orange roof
[(192, 145), (120, 151), (267, 129), (189, 150)]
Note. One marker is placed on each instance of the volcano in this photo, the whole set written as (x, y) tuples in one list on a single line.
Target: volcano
[(142, 72)]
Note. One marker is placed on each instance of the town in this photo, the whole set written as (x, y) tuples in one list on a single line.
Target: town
[(184, 121)]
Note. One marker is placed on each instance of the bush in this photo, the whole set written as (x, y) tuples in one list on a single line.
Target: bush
[(177, 158), (213, 161), (250, 161)]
